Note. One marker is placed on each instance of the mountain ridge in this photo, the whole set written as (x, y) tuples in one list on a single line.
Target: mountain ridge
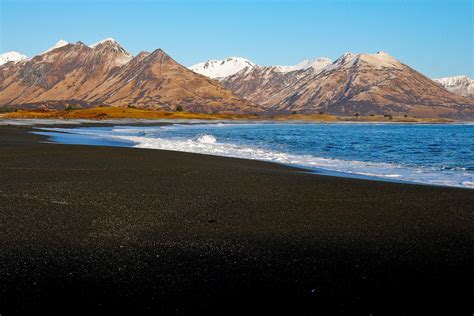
[(220, 69), (354, 84), (105, 74)]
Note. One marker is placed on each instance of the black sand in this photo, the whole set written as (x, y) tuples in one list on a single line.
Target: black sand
[(96, 230)]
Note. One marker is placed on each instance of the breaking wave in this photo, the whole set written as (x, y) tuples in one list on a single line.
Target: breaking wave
[(268, 142)]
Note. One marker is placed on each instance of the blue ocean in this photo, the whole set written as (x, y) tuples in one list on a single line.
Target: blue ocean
[(435, 154)]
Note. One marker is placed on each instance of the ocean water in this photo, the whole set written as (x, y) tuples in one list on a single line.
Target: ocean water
[(435, 154)]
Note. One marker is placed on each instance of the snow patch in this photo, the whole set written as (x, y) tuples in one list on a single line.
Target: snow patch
[(317, 64), (462, 85), (108, 39), (11, 56), (222, 68), (380, 60), (59, 44)]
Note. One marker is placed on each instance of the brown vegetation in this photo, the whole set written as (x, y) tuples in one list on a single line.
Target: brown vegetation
[(103, 113)]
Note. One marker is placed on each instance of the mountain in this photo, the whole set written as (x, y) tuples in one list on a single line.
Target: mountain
[(365, 84), (155, 80), (216, 69), (221, 69), (462, 85), (106, 74), (254, 82), (11, 56), (260, 83), (69, 72)]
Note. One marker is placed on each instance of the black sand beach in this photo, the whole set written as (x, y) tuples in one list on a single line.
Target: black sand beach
[(97, 230)]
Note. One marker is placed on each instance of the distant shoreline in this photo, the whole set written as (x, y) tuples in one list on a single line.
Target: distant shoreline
[(104, 113)]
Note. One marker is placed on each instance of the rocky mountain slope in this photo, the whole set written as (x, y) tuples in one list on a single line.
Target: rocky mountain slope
[(106, 74), (363, 84), (462, 85)]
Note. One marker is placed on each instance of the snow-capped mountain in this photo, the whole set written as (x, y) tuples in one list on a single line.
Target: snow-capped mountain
[(354, 83), (220, 69), (122, 56), (59, 44), (108, 39), (317, 64), (462, 85), (11, 56), (109, 44), (216, 69)]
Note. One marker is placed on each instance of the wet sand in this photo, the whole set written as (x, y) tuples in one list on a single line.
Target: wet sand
[(104, 229)]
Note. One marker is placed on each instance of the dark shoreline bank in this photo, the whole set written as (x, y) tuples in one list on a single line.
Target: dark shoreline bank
[(101, 229)]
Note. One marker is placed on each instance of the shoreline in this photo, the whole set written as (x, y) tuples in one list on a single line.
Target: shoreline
[(303, 169), (97, 140), (123, 229)]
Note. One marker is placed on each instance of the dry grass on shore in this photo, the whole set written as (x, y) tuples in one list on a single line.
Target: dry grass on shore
[(103, 113), (372, 118)]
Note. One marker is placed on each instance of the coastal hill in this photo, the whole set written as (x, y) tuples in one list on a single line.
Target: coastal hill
[(105, 74), (354, 84), (78, 76)]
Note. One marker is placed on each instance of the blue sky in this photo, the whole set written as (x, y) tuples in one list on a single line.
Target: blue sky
[(435, 37)]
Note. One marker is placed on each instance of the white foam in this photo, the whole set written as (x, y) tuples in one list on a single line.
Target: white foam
[(206, 139), (152, 137), (208, 144)]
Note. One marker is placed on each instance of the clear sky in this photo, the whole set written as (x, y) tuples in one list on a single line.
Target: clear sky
[(433, 36)]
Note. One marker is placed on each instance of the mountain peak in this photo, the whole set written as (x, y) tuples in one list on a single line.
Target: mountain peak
[(143, 54), (158, 51), (11, 56), (58, 44), (156, 54), (109, 44), (215, 68), (346, 58), (380, 59), (107, 40)]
